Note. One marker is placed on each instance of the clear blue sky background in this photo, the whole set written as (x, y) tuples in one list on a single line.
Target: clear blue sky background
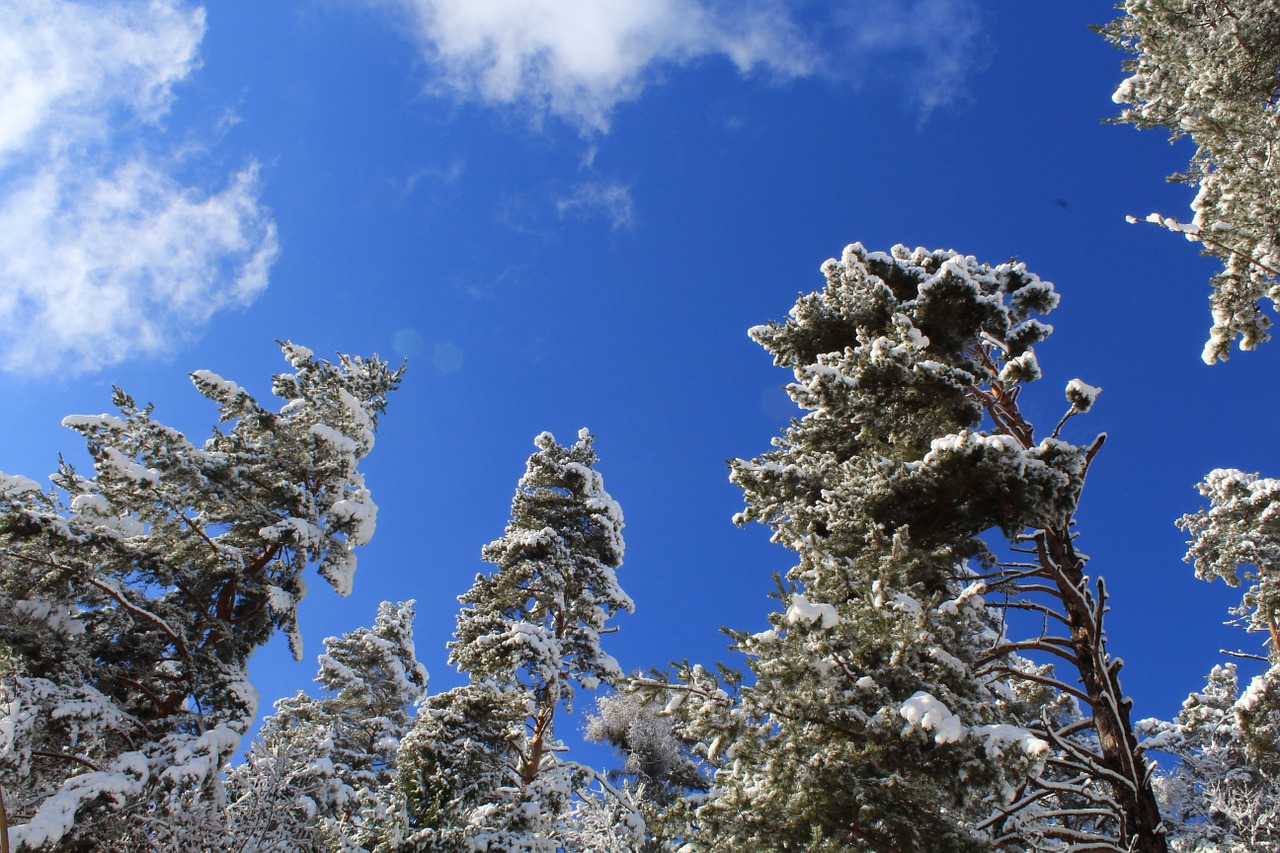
[(587, 245)]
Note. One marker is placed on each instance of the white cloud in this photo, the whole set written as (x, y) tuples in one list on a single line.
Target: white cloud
[(97, 268), (104, 253), (610, 200), (578, 59)]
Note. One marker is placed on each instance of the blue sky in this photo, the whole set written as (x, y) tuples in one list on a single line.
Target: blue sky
[(568, 214)]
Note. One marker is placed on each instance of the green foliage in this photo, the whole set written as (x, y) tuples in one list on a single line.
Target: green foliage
[(456, 761), (886, 358), (536, 621)]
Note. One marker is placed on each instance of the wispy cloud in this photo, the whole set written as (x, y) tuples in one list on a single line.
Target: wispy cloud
[(442, 175), (104, 253), (590, 199), (578, 59), (935, 43)]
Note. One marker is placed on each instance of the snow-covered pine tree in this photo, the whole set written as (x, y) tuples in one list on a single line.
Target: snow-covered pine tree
[(1224, 794), (888, 709), (480, 769), (337, 754), (130, 600), (457, 786), (1238, 540), (1208, 69)]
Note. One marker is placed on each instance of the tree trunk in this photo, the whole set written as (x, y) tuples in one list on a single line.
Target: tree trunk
[(1141, 826)]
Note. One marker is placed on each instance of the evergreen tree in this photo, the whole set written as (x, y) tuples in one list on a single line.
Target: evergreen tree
[(336, 754), (1224, 794), (458, 785), (1208, 69), (131, 600), (889, 709), (480, 769)]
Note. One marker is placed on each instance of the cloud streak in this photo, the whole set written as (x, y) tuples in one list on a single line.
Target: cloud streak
[(104, 253), (579, 59), (590, 199), (936, 38)]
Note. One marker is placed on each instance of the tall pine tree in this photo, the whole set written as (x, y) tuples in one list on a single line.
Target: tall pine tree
[(888, 706), (481, 769)]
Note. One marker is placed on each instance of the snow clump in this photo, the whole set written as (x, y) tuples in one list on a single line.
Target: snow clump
[(802, 610), (924, 711), (1081, 395)]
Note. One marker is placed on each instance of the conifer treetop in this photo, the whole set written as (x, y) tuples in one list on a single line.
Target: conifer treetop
[(537, 619)]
